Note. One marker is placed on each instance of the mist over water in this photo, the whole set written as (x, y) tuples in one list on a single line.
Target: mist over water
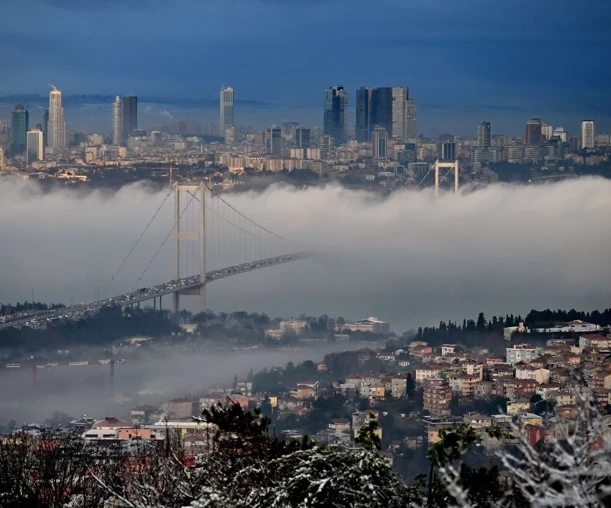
[(410, 259)]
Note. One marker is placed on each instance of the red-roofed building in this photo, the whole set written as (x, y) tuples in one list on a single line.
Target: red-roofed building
[(111, 423)]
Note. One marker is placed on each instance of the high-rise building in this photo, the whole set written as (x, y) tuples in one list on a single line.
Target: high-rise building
[(117, 122), (379, 143), (226, 108), (129, 115), (532, 134), (484, 135), (35, 145), (20, 124), (411, 119), (400, 97), (447, 151), (363, 114), (45, 127), (381, 106), (303, 137), (1, 158), (335, 122), (274, 140), (587, 134), (546, 132), (57, 122)]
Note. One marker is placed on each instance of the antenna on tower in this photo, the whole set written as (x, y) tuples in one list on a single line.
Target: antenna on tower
[(53, 86)]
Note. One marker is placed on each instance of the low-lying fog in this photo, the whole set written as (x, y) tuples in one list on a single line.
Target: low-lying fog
[(153, 379)]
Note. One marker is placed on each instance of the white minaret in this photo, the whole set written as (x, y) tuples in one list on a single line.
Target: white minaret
[(117, 121), (57, 125)]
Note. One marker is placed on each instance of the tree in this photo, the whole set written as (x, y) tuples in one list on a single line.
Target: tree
[(367, 436)]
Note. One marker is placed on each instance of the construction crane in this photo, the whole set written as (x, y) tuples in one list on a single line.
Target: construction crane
[(52, 365)]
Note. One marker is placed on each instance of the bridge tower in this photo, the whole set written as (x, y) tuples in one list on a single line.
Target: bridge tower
[(191, 193), (451, 166)]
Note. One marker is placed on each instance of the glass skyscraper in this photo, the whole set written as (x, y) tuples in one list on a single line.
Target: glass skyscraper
[(226, 109), (363, 114), (20, 124), (335, 122), (130, 115)]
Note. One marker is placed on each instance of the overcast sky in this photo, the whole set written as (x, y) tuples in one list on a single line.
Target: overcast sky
[(537, 54)]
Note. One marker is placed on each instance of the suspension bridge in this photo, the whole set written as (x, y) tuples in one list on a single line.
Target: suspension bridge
[(211, 240)]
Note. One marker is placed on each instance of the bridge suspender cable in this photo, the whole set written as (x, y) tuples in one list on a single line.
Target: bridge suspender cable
[(141, 236), (165, 239)]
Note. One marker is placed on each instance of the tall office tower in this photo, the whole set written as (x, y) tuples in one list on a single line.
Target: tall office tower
[(336, 113), (379, 143), (400, 96), (532, 135), (411, 119), (35, 145), (587, 134), (226, 108), (1, 158), (363, 114), (303, 137), (546, 132), (447, 151), (20, 124), (273, 139), (130, 115), (117, 122), (45, 127), (57, 124), (381, 107), (484, 135)]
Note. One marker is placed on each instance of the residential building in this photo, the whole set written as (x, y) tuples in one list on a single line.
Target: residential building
[(364, 115), (437, 399), (371, 325), (484, 135), (379, 143), (20, 125), (117, 122), (360, 418), (596, 341), (180, 408), (129, 115), (587, 134), (335, 121), (111, 423), (433, 425), (464, 384), (477, 420), (398, 386), (35, 146), (293, 325), (226, 109), (448, 349), (521, 353), (518, 406)]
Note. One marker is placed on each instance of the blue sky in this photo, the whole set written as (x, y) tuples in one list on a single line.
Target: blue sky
[(531, 54)]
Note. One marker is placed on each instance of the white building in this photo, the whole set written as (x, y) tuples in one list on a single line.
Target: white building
[(226, 101), (57, 123), (35, 146), (587, 134), (117, 122), (400, 97), (521, 353)]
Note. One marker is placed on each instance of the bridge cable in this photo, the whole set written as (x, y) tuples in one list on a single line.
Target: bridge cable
[(141, 236), (165, 240)]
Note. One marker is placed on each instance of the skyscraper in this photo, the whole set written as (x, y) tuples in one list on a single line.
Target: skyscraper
[(226, 109), (117, 122), (379, 143), (400, 96), (336, 113), (35, 145), (57, 123), (447, 151), (274, 140), (303, 137), (411, 119), (484, 135), (532, 135), (130, 115), (1, 158), (587, 134), (45, 127), (20, 124), (363, 114), (381, 106)]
